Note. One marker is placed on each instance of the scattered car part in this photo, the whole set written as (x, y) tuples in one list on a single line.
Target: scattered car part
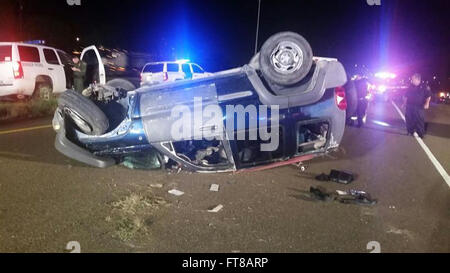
[(345, 197), (214, 187), (301, 166), (320, 193), (342, 177), (356, 197), (323, 177), (216, 209), (176, 192)]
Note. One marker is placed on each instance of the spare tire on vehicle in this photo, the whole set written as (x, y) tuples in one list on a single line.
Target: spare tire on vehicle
[(285, 58), (122, 84), (83, 112)]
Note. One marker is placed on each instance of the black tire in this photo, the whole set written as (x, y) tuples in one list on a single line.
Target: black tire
[(351, 97), (72, 102), (42, 91), (268, 67), (121, 83)]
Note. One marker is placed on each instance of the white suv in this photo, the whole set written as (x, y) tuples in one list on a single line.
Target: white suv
[(33, 70), (158, 72)]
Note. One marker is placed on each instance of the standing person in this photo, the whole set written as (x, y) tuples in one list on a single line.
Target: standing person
[(361, 91), (79, 73), (417, 99)]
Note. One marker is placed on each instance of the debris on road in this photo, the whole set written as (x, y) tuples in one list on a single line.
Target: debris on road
[(216, 209), (321, 194), (156, 185), (356, 197), (176, 192), (345, 197), (214, 187), (323, 177), (301, 166), (342, 177)]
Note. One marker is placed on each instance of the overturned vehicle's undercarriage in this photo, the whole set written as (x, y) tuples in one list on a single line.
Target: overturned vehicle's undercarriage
[(286, 106)]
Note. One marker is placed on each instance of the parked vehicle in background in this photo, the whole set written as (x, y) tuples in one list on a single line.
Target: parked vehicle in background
[(158, 72), (387, 86), (304, 94), (33, 70), (443, 97)]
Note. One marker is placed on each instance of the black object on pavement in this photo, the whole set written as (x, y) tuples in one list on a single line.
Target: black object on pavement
[(321, 194), (345, 197), (323, 177), (342, 177)]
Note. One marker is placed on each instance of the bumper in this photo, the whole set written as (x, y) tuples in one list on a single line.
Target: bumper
[(71, 150), (18, 87)]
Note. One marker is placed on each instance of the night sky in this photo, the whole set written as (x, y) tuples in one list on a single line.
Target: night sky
[(402, 36)]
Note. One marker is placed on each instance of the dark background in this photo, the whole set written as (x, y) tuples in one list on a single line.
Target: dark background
[(401, 36)]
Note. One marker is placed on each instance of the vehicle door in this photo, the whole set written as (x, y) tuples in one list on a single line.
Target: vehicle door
[(187, 71), (67, 63), (152, 73), (245, 119), (6, 65), (174, 72), (184, 123), (55, 70), (95, 70), (197, 71)]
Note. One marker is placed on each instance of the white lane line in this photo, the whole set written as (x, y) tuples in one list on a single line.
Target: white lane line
[(427, 151)]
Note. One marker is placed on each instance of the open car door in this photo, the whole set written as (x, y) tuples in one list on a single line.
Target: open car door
[(95, 70)]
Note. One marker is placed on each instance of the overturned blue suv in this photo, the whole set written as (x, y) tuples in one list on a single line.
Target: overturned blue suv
[(284, 107)]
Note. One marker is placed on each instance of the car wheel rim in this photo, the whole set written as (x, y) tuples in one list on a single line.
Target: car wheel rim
[(286, 58), (45, 94), (79, 121)]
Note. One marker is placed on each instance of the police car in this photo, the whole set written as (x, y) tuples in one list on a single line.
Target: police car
[(158, 72), (33, 70)]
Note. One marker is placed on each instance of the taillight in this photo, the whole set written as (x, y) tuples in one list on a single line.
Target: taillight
[(141, 76), (341, 102), (166, 76), (18, 70)]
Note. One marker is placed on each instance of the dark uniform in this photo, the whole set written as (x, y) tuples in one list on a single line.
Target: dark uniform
[(78, 76), (361, 91), (416, 97)]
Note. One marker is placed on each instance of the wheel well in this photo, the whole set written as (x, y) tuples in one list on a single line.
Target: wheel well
[(43, 79)]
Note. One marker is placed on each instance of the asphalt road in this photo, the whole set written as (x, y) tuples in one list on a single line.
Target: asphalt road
[(47, 200)]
